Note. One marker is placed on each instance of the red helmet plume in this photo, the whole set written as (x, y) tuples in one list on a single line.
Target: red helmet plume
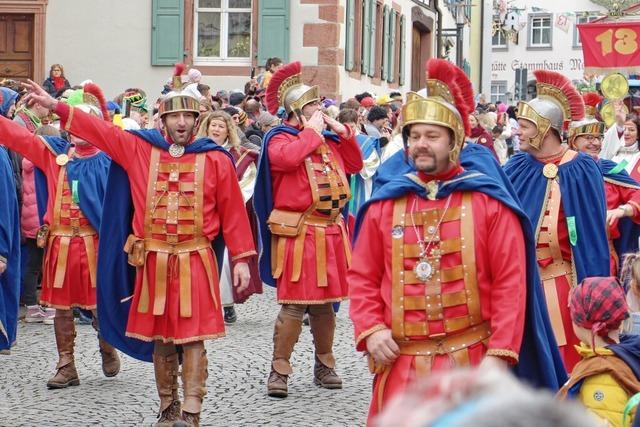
[(592, 99), (95, 90), (176, 80), (574, 102), (271, 94), (459, 86)]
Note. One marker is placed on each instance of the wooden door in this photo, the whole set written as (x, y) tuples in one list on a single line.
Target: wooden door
[(16, 46), (417, 66)]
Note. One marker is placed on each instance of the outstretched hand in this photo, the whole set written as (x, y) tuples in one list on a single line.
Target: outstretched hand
[(38, 95)]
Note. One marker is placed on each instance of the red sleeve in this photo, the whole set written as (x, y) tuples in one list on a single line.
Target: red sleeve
[(286, 155), (350, 152), (231, 208), (20, 140), (506, 255), (118, 144), (366, 305), (631, 196)]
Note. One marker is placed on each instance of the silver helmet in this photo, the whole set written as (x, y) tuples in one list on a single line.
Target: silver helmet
[(558, 101)]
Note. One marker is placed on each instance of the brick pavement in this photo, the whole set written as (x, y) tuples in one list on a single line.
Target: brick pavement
[(238, 367)]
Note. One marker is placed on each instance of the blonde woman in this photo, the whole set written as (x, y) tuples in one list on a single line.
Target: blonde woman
[(221, 128)]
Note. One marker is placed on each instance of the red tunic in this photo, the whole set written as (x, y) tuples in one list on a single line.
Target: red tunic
[(499, 256), (291, 192), (77, 289), (619, 195), (222, 211)]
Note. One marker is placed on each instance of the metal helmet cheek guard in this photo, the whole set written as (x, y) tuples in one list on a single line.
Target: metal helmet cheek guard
[(557, 103)]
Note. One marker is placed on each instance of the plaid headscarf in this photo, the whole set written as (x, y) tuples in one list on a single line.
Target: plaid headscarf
[(598, 304)]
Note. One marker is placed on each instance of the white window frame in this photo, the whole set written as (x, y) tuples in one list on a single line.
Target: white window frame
[(224, 11), (540, 46), (499, 95), (500, 47), (582, 18)]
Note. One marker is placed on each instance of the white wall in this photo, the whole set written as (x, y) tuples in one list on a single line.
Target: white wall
[(108, 42), (563, 57), (301, 14)]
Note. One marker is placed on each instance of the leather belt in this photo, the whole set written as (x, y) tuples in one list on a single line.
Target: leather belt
[(166, 256), (447, 344), (453, 345), (320, 224), (66, 233)]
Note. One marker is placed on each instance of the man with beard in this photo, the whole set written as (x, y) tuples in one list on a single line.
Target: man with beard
[(183, 192), (437, 279), (562, 192)]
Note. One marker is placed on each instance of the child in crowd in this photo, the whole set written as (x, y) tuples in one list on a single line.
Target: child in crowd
[(607, 376), (630, 275)]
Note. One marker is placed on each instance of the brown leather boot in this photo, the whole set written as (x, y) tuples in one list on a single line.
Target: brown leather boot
[(323, 324), (285, 336), (166, 370), (194, 379), (65, 331), (110, 359)]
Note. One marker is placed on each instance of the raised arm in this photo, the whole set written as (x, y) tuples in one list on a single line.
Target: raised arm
[(348, 146), (18, 139), (118, 144), (286, 155)]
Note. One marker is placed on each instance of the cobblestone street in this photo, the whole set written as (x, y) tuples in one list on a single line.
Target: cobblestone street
[(238, 367)]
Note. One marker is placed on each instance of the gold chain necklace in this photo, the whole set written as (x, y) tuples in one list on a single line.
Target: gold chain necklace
[(423, 268)]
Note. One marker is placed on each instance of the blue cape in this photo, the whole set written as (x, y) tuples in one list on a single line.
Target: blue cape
[(91, 174), (628, 349), (540, 363), (116, 278), (368, 145), (629, 230), (263, 200), (583, 198), (474, 157), (10, 250)]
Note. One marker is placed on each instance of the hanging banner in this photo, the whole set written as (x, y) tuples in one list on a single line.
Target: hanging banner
[(611, 46)]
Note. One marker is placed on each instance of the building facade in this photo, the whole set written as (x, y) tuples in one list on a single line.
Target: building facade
[(345, 46), (527, 38)]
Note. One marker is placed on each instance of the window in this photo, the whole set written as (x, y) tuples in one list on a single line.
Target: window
[(499, 41), (223, 31), (540, 31), (374, 40), (582, 18), (498, 91)]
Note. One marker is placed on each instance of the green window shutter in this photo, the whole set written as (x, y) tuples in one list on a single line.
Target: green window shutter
[(273, 30), (372, 16), (350, 36), (403, 49), (366, 36), (385, 44), (392, 45), (167, 32)]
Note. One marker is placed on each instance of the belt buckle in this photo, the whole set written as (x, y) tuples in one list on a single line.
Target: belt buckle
[(75, 229)]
